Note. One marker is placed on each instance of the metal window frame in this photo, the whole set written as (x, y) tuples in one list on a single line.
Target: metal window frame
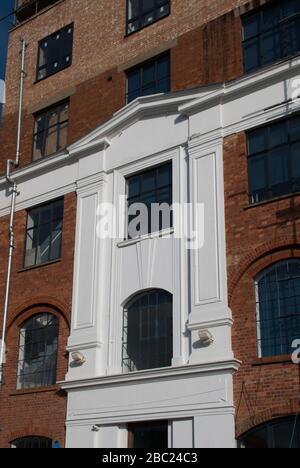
[(53, 323), (260, 11), (140, 69), (61, 66), (28, 442), (141, 174), (141, 15), (150, 424), (126, 364), (56, 107), (270, 425), (259, 321), (51, 222), (268, 159)]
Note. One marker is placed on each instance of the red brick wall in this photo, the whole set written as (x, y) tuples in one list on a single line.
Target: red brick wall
[(47, 288), (195, 61), (257, 237)]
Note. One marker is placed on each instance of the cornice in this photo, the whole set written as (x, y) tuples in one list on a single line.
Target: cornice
[(160, 374)]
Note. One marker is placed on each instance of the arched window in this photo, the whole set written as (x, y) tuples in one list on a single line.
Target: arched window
[(32, 442), (148, 332), (38, 351), (278, 308), (283, 433)]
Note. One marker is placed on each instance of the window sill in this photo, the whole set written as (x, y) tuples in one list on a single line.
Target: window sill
[(29, 391), (285, 359), (42, 265), (155, 235), (272, 200)]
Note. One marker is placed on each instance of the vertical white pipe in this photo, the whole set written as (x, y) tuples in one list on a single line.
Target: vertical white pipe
[(11, 181)]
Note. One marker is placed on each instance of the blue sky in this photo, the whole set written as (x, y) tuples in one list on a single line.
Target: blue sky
[(6, 6)]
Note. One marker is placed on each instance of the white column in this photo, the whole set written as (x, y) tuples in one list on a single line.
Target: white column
[(89, 280)]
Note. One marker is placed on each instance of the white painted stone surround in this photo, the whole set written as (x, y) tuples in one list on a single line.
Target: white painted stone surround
[(195, 395)]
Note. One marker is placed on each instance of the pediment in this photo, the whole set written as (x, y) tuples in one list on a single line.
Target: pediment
[(140, 109)]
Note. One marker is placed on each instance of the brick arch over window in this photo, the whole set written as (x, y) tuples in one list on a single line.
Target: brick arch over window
[(286, 410), (26, 431), (20, 314), (37, 304), (261, 258)]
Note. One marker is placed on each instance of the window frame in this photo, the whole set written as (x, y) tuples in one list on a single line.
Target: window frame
[(38, 265), (260, 11), (48, 110), (132, 426), (61, 68), (124, 343), (21, 358), (139, 67), (270, 432), (268, 158), (259, 327), (156, 189), (139, 17), (40, 439)]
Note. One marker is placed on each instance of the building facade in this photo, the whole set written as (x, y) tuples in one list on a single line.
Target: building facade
[(182, 335)]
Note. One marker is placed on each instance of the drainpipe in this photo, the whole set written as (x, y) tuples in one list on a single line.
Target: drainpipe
[(9, 165)]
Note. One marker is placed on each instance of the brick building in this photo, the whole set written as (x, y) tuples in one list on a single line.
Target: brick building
[(199, 100)]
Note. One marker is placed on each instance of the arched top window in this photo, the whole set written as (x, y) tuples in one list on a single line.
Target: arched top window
[(38, 351), (278, 308), (282, 433), (148, 331), (32, 442)]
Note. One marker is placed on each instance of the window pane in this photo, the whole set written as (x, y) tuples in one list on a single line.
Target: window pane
[(270, 47), (150, 188), (55, 52), (150, 78), (32, 443), (276, 32), (279, 174), (279, 166), (279, 308), (278, 134), (150, 435), (257, 176), (42, 224), (144, 12), (51, 131), (257, 141), (147, 333), (38, 351)]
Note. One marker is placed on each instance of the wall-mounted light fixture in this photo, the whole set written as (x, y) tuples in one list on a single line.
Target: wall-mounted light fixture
[(205, 337)]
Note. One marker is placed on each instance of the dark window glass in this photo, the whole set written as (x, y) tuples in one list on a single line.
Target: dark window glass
[(281, 434), (274, 160), (148, 332), (278, 308), (32, 442), (55, 52), (271, 34), (28, 8), (149, 78), (43, 234), (149, 188), (148, 435), (141, 13), (38, 352), (50, 131)]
